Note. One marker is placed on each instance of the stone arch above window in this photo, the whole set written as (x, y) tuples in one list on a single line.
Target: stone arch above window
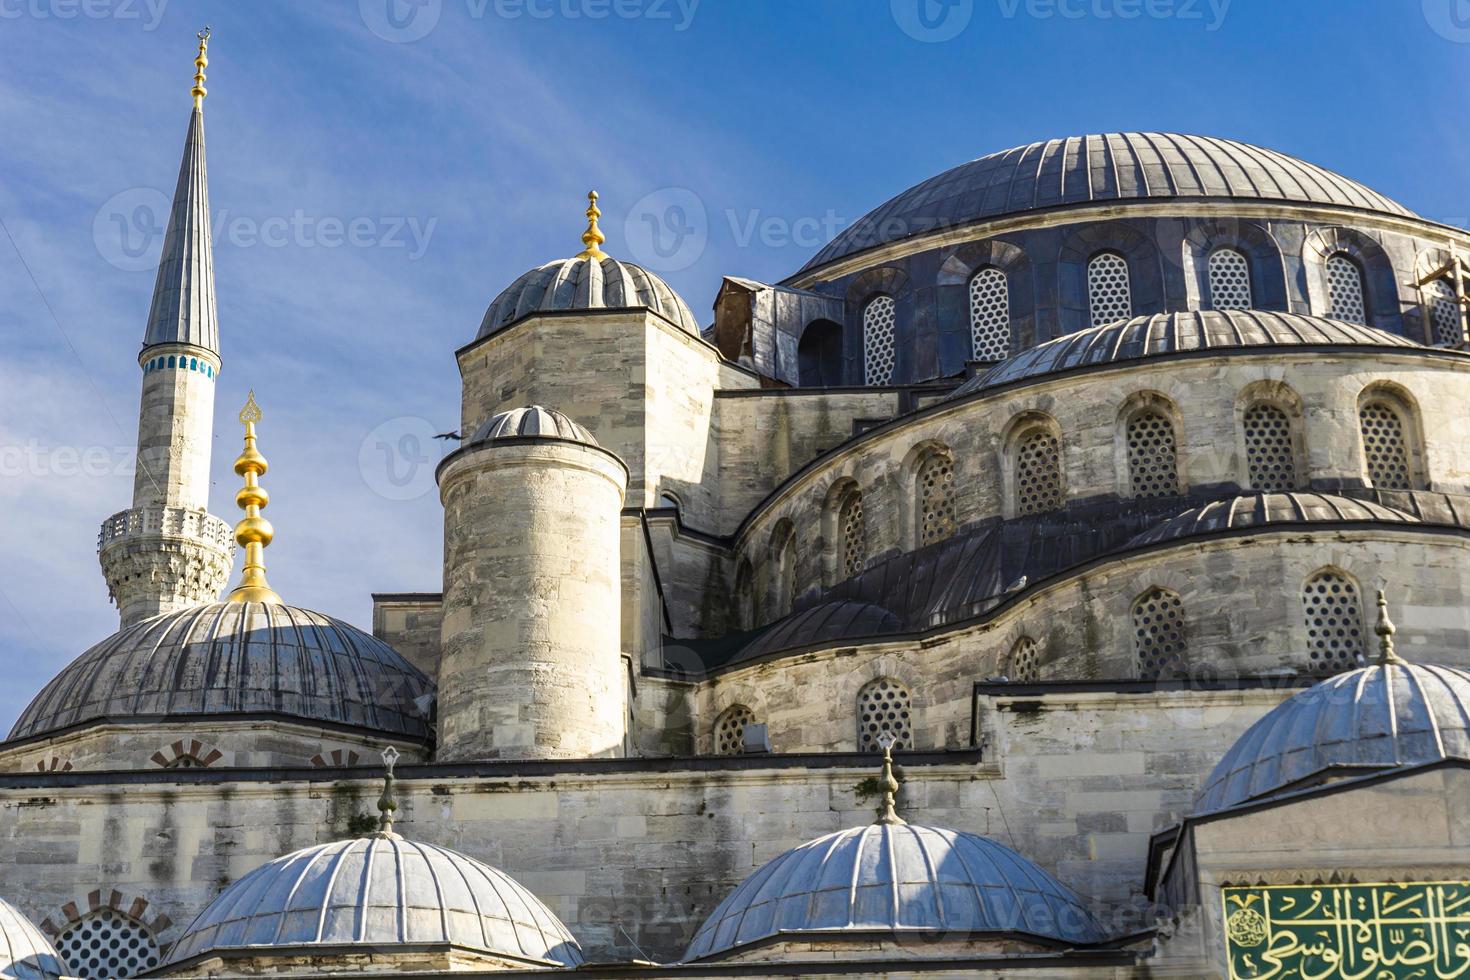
[(1232, 264), (335, 759), (880, 340), (1351, 277), (728, 734), (1270, 419), (934, 515), (846, 531), (981, 263), (784, 583), (114, 937), (186, 754), (1332, 606), (1148, 443), (1158, 635), (1388, 422), (1023, 663), (53, 763), (1032, 464), (885, 706), (1075, 279)]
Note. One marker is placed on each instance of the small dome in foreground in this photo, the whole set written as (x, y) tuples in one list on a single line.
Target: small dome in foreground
[(531, 423), (25, 952)]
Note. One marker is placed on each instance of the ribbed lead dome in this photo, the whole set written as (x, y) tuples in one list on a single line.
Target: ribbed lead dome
[(1378, 717), (586, 284), (236, 658), (380, 891), (25, 952), (530, 423), (1263, 510), (1082, 170), (900, 878)]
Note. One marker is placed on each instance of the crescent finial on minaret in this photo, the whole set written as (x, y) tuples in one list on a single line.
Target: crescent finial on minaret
[(201, 62)]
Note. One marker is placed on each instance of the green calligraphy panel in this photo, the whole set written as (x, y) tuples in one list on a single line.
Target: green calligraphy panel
[(1348, 932)]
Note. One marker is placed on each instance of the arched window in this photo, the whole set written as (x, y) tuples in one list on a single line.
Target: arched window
[(744, 596), (1270, 457), (1023, 666), (1385, 446), (880, 345), (1444, 313), (186, 754), (1038, 473), (819, 355), (107, 944), (1334, 614), (1108, 294), (1345, 290), (854, 534), (884, 705), (1153, 463), (783, 546), (729, 732), (1230, 280), (990, 315), (1158, 634), (936, 498)]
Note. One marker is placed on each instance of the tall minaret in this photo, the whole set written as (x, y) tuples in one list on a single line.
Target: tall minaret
[(167, 552)]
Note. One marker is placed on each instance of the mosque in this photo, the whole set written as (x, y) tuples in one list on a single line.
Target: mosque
[(1064, 574)]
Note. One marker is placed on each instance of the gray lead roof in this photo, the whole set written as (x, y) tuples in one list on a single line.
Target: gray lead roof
[(585, 284), (183, 310), (1100, 167), (25, 953)]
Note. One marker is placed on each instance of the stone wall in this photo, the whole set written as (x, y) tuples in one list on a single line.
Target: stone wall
[(410, 623)]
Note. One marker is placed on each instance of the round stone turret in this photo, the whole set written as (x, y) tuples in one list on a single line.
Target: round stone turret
[(532, 664)]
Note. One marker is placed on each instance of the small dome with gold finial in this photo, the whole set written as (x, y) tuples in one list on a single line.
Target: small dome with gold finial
[(589, 280), (251, 654)]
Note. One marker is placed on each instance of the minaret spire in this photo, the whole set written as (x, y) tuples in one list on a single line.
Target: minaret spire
[(167, 552), (593, 237)]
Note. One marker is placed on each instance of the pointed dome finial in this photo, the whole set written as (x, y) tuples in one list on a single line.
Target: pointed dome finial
[(201, 62), (387, 803), (593, 236), (1385, 630), (254, 532), (887, 813)]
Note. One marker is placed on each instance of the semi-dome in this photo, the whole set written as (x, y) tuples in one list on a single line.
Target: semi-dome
[(379, 891), (1384, 716), (232, 658), (586, 284), (1264, 510), (1180, 333), (25, 952), (533, 422), (1082, 170), (905, 879)]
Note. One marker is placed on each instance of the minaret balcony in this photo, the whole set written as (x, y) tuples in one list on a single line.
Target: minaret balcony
[(169, 522)]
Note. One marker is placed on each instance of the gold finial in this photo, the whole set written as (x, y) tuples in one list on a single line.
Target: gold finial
[(1385, 630), (593, 236), (201, 62), (254, 532), (387, 803), (886, 813)]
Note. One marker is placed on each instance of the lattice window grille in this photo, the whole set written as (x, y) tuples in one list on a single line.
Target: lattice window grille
[(1444, 313), (1334, 622), (854, 534), (730, 729), (107, 944), (1269, 455), (788, 574), (1153, 464), (1345, 290), (990, 315), (1383, 446), (1230, 280), (936, 500), (1158, 635), (1038, 474), (885, 705), (1025, 662), (880, 318), (1108, 294)]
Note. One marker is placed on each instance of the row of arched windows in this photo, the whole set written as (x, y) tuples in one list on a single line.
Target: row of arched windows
[(884, 707), (1110, 298), (179, 362)]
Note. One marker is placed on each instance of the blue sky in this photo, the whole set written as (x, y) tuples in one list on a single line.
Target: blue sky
[(380, 169)]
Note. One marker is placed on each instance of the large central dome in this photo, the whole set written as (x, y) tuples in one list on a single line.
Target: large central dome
[(1100, 167)]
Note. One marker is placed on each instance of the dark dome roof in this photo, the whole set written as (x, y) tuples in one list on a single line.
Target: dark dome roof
[(236, 658), (904, 879), (586, 284), (821, 623), (1260, 510), (1106, 167), (1378, 717), (1177, 333), (530, 423)]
